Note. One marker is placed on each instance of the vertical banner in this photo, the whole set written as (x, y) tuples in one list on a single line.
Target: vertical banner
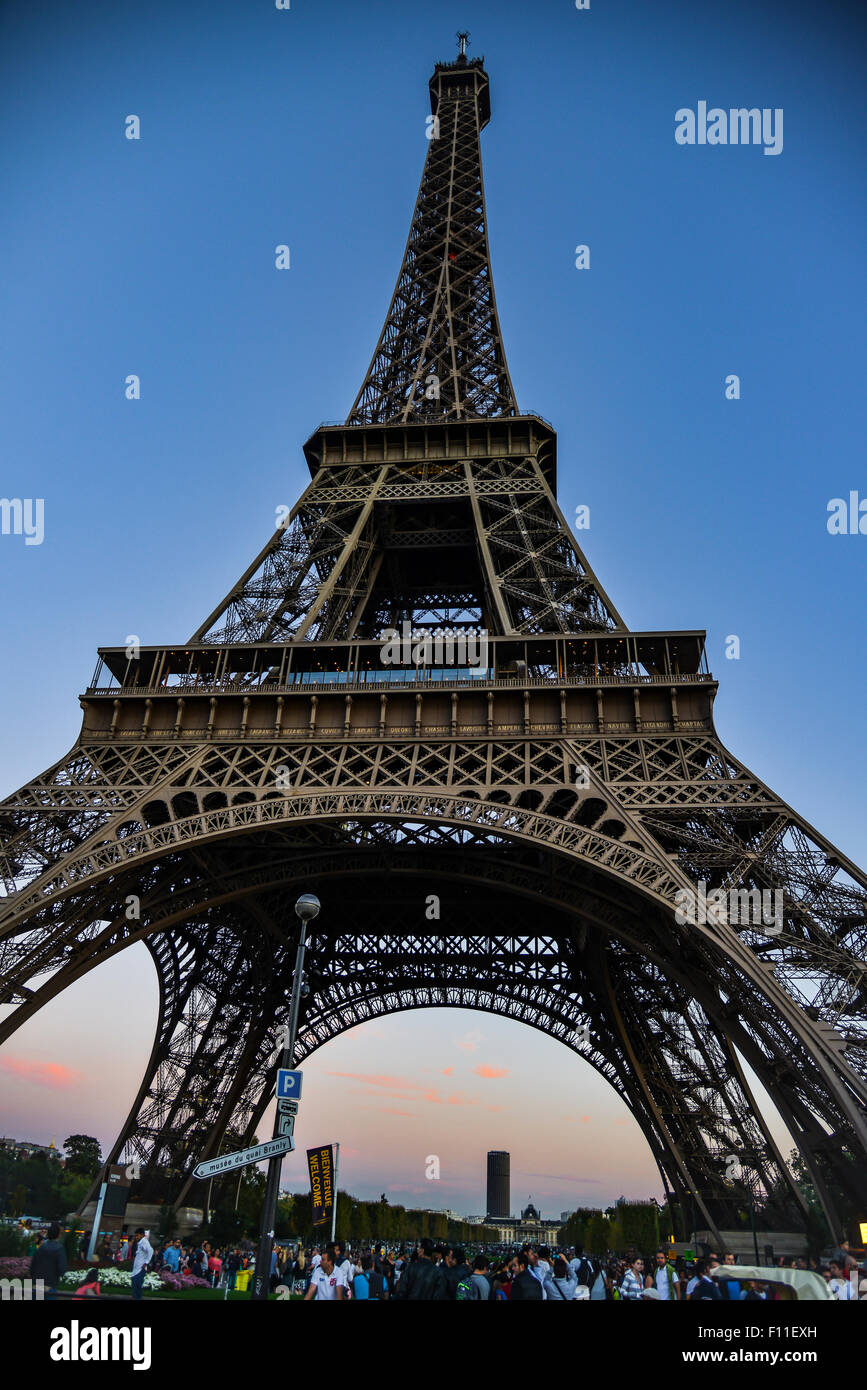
[(320, 1163)]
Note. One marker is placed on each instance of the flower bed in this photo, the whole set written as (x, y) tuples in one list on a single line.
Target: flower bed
[(182, 1281), (15, 1267), (109, 1278)]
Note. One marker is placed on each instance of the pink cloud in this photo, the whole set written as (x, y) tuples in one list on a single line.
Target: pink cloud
[(399, 1082), (382, 1094), (458, 1098), (447, 1071), (585, 1119), (434, 1097), (470, 1041), (43, 1073), (392, 1110), (491, 1072), (494, 1109)]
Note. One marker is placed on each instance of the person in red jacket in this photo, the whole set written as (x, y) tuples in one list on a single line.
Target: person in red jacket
[(90, 1287)]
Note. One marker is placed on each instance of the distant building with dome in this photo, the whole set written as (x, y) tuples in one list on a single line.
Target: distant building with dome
[(27, 1148), (529, 1226)]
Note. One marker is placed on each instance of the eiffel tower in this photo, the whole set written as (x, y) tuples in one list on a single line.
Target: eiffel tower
[(512, 834)]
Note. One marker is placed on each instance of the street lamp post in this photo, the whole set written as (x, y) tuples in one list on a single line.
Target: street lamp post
[(752, 1202), (307, 907), (753, 1224)]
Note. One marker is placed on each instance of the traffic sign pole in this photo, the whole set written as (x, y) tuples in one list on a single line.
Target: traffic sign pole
[(307, 907)]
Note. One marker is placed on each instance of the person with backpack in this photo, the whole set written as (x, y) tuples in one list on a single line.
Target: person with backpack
[(369, 1283), (457, 1273), (563, 1283), (600, 1290), (664, 1279)]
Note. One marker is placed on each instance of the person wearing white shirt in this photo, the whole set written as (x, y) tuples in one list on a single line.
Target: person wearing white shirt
[(839, 1285), (665, 1279), (327, 1281), (342, 1262), (144, 1253)]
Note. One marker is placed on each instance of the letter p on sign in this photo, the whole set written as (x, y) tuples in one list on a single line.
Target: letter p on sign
[(288, 1084)]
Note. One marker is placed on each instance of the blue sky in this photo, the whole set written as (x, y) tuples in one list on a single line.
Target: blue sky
[(306, 127)]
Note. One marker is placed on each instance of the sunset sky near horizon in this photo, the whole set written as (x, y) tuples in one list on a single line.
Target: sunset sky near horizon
[(157, 257)]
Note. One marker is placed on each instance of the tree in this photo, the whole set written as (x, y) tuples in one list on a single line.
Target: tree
[(638, 1224), (70, 1192), (818, 1234), (439, 1226), (666, 1222), (574, 1232), (597, 1234), (360, 1223), (224, 1227), (343, 1224), (12, 1242), (838, 1191), (83, 1154)]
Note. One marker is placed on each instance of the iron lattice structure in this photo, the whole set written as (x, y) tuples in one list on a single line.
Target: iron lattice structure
[(556, 798)]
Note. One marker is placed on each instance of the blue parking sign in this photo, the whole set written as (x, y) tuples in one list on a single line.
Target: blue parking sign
[(288, 1084)]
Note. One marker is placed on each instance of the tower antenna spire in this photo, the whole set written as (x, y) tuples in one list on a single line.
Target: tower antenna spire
[(463, 40)]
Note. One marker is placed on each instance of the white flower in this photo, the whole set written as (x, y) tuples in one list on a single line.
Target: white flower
[(109, 1277)]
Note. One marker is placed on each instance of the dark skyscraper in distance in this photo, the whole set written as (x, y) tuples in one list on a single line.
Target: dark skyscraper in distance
[(499, 1185)]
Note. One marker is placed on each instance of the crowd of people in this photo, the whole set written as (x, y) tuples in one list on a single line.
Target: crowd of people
[(536, 1273), (220, 1266), (427, 1270), (216, 1265)]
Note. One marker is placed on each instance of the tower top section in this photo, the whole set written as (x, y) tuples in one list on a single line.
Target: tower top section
[(463, 79), (440, 355)]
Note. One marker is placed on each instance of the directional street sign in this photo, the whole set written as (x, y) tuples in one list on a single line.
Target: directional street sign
[(288, 1084), (226, 1162), (287, 1107), (286, 1127)]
